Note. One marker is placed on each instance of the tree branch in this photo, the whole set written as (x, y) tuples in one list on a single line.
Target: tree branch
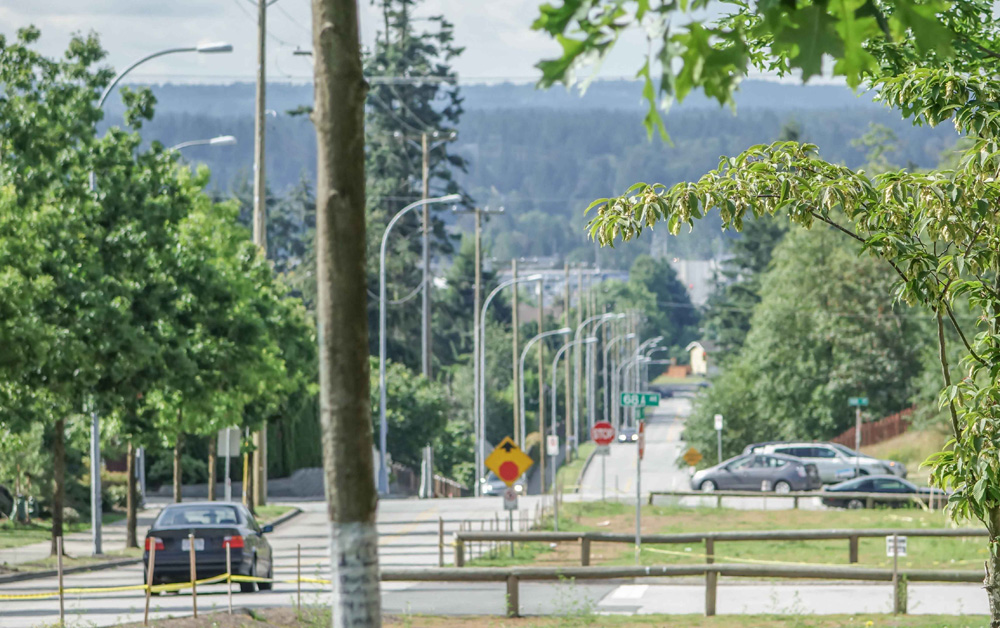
[(858, 238), (943, 357)]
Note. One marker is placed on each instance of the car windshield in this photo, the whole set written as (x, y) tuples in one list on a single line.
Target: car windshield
[(845, 450), (198, 515)]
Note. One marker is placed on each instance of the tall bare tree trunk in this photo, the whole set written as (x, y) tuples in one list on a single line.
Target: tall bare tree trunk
[(59, 480), (992, 581), (131, 500), (212, 464), (178, 469), (342, 316)]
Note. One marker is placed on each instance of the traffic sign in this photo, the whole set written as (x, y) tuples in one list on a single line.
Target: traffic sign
[(639, 399), (640, 413), (552, 445), (509, 498), (857, 402), (508, 461), (602, 450), (900, 546), (718, 421), (603, 433), (692, 456), (642, 439)]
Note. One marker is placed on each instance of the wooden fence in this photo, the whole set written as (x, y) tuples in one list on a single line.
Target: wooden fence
[(878, 431)]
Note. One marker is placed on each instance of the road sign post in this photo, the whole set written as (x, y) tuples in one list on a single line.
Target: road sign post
[(603, 434), (857, 403), (229, 445), (718, 435), (640, 451)]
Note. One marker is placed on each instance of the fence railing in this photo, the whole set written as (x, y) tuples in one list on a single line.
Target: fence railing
[(514, 575), (461, 539), (878, 431), (929, 500)]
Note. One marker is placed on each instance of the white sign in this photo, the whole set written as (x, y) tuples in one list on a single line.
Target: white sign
[(509, 498), (900, 548), (552, 445), (602, 450), (233, 449), (718, 421)]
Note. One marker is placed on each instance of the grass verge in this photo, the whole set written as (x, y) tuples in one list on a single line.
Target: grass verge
[(911, 448), (40, 530), (267, 514), (569, 475)]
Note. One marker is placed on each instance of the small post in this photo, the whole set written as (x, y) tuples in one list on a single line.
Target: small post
[(709, 550), (555, 507), (149, 581), (298, 577), (718, 501), (853, 549), (900, 593), (229, 575), (895, 574), (59, 567), (440, 542), (194, 576), (513, 606), (510, 528), (711, 581), (459, 551), (795, 502), (584, 551)]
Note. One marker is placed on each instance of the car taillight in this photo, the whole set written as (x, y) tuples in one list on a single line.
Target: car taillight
[(152, 540), (233, 541)]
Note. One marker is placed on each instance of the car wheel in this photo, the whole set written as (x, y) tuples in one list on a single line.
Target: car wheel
[(267, 586), (782, 487), (855, 504), (248, 587), (708, 486)]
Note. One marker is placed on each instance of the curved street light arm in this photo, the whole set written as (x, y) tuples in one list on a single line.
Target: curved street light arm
[(524, 355)]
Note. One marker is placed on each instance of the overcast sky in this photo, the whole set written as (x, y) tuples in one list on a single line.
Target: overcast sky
[(496, 34)]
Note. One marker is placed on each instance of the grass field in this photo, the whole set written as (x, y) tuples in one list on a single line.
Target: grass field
[(267, 514), (923, 553), (39, 530), (911, 448)]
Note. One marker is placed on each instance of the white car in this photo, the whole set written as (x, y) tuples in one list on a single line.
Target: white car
[(835, 463)]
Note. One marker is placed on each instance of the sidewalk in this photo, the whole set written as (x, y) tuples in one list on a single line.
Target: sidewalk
[(81, 543)]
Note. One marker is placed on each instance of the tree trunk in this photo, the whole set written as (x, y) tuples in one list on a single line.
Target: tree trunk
[(178, 470), (131, 501), (345, 411), (212, 444), (59, 480)]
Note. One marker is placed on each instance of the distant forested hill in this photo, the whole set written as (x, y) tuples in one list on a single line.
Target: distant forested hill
[(545, 155)]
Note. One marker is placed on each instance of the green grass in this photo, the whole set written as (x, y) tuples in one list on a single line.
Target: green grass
[(79, 561), (569, 475), (912, 449), (690, 381), (583, 619), (267, 514), (40, 530), (923, 552)]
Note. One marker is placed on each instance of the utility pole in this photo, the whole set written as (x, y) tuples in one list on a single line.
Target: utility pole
[(425, 326), (259, 475), (568, 402), (541, 385), (342, 314), (477, 291), (517, 357), (577, 359)]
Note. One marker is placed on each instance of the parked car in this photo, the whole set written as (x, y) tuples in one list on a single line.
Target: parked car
[(492, 485), (834, 464), (749, 472), (213, 524), (868, 462), (628, 435), (876, 485)]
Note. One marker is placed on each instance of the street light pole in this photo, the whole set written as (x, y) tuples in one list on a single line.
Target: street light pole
[(383, 470), (95, 421), (554, 412), (524, 354), (221, 140), (610, 414), (576, 380), (481, 433)]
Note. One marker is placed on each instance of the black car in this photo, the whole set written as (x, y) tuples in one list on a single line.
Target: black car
[(628, 434), (877, 485), (213, 525), (754, 472)]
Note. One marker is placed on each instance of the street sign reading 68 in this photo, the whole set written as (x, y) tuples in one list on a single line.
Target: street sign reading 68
[(639, 400)]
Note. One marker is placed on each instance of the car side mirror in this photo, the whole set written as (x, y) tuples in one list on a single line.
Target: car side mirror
[(267, 528)]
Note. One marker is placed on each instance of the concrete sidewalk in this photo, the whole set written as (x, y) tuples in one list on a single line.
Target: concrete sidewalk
[(81, 543)]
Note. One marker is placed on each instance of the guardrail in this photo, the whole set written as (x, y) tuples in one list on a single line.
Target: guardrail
[(870, 499), (708, 538), (514, 575)]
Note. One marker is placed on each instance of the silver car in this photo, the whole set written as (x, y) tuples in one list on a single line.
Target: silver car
[(834, 462)]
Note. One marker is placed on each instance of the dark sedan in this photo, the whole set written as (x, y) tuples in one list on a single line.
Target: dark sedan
[(758, 472), (214, 524), (878, 485)]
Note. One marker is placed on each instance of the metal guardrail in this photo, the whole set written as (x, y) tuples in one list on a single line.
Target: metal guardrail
[(513, 575), (708, 538), (870, 499)]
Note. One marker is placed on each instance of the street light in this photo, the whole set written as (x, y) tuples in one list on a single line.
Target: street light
[(524, 354), (95, 421), (627, 365), (383, 471), (607, 407), (221, 140), (555, 386), (481, 431), (576, 380)]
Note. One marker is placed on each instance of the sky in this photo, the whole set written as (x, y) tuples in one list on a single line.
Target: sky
[(497, 36)]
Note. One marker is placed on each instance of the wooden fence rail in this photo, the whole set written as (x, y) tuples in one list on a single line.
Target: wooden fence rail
[(870, 499), (708, 538), (513, 575)]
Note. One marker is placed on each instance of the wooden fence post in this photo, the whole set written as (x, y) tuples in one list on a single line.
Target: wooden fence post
[(59, 567), (149, 578), (440, 542), (513, 605), (194, 575), (709, 550), (459, 552), (853, 549), (584, 551), (711, 582)]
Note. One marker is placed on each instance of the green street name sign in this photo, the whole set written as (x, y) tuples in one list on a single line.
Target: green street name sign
[(639, 400), (857, 401)]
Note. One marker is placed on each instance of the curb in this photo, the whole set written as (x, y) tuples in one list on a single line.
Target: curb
[(49, 573), (583, 471), (111, 564)]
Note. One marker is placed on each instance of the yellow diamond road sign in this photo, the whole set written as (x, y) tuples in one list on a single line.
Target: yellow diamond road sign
[(508, 461), (692, 456)]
